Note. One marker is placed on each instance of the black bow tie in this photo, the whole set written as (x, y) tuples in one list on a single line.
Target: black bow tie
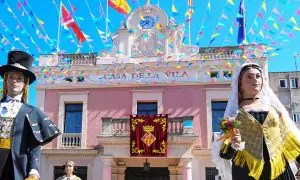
[(13, 100)]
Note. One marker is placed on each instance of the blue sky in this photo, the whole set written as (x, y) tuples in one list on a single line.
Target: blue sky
[(20, 26)]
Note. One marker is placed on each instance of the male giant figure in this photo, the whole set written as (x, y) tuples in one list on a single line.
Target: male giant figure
[(23, 127)]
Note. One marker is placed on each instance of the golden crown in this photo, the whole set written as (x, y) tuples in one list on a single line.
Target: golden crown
[(148, 128)]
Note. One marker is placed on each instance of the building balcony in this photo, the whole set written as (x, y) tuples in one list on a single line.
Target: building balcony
[(71, 140), (120, 127), (115, 137), (78, 59)]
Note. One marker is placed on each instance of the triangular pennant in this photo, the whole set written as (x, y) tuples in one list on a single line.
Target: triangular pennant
[(264, 6)]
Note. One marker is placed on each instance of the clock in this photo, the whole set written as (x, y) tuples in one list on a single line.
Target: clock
[(145, 18), (147, 22)]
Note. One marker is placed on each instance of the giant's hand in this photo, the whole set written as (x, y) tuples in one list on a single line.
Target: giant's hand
[(236, 138), (32, 177), (236, 141)]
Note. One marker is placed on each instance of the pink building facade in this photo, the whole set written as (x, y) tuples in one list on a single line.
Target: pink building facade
[(109, 88)]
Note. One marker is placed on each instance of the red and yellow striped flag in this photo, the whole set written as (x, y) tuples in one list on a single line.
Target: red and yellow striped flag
[(190, 3), (120, 5)]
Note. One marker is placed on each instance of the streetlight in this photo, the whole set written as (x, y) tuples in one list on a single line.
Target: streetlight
[(146, 168), (295, 59)]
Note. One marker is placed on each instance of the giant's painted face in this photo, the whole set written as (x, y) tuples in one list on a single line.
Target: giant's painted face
[(251, 83), (15, 82)]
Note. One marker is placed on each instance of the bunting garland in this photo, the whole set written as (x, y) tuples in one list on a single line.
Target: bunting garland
[(270, 25), (104, 39), (70, 36), (282, 30), (3, 39), (265, 22), (40, 22), (28, 35)]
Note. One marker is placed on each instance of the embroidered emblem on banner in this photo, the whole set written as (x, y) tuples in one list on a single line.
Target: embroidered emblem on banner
[(148, 137)]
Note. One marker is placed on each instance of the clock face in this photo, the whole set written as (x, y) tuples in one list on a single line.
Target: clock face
[(147, 23)]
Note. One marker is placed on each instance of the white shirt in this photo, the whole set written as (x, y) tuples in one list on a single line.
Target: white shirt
[(11, 106), (74, 177)]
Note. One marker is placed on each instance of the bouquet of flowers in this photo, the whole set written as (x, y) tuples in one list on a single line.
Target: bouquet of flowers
[(228, 126)]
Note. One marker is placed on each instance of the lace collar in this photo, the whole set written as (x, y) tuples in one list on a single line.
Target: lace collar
[(257, 109)]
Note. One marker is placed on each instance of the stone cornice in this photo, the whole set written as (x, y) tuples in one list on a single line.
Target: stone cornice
[(90, 86), (203, 154), (70, 152), (73, 93)]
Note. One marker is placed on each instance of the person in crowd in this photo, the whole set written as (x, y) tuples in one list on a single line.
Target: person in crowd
[(70, 170)]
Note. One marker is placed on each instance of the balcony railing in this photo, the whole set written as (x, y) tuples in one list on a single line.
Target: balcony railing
[(78, 59), (71, 140), (121, 127)]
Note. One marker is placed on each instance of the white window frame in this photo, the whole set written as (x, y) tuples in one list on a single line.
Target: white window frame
[(291, 84), (296, 117), (214, 94), (147, 95), (73, 97), (48, 162), (285, 82)]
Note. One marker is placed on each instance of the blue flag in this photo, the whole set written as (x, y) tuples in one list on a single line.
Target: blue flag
[(241, 21)]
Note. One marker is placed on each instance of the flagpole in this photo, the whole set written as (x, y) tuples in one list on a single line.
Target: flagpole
[(189, 31), (106, 20), (58, 29), (243, 6)]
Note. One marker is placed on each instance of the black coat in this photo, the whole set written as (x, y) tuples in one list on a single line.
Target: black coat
[(32, 129)]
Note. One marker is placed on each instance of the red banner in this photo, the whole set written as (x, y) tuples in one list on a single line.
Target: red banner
[(148, 135)]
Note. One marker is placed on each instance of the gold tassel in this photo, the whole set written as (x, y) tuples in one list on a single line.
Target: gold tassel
[(278, 164), (289, 152), (291, 147), (255, 165), (25, 91), (224, 147)]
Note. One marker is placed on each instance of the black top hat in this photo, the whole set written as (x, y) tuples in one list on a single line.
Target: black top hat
[(19, 61)]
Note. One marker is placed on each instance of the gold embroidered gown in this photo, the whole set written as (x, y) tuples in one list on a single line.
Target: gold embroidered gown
[(269, 144)]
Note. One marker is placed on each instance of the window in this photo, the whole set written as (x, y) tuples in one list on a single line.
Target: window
[(214, 74), (227, 74), (69, 79), (147, 108), (211, 173), (81, 172), (73, 118), (218, 110), (188, 122), (282, 83), (297, 117), (294, 83), (80, 79)]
